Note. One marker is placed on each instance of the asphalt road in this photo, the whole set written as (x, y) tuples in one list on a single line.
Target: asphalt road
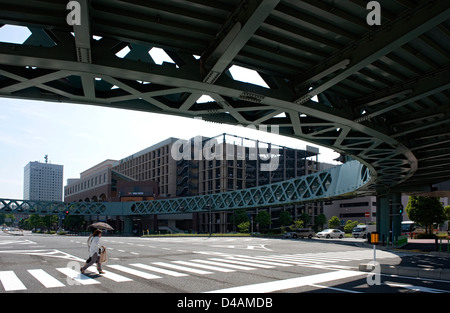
[(186, 265)]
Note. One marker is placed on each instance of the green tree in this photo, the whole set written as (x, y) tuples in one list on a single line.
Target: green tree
[(263, 219), (49, 221), (74, 222), (305, 218), (447, 212), (298, 224), (35, 221), (10, 217), (244, 227), (426, 211), (24, 223), (349, 225), (285, 218), (319, 221), (334, 222), (239, 216)]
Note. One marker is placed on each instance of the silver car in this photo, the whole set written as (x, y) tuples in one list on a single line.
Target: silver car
[(300, 233), (331, 233)]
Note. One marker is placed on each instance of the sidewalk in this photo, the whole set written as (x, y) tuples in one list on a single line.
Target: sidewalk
[(429, 263), (428, 246)]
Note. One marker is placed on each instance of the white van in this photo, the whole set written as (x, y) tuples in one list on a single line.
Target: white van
[(363, 231)]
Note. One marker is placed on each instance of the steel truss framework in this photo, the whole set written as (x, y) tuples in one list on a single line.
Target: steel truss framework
[(383, 90), (340, 181)]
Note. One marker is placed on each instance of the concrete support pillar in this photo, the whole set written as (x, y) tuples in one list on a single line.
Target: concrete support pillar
[(128, 225), (396, 217), (383, 225), (195, 222), (388, 219), (155, 223)]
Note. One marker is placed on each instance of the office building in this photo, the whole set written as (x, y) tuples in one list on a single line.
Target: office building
[(101, 183), (199, 166), (43, 181), (153, 163), (204, 165)]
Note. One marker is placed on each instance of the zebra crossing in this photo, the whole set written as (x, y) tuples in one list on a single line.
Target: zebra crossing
[(217, 263)]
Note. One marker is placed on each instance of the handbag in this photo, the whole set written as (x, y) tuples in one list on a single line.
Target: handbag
[(103, 256)]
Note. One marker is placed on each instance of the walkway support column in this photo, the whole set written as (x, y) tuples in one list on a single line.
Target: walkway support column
[(388, 219), (128, 225)]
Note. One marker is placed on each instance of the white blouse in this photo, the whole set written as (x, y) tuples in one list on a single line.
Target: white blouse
[(94, 245)]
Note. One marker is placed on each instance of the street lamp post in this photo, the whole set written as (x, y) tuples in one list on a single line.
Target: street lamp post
[(210, 221)]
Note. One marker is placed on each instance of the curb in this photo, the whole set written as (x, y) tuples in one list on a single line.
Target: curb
[(13, 233), (432, 273)]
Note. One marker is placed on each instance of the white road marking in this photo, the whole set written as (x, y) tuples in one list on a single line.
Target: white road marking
[(115, 277), (46, 279), (204, 266), (334, 288), (77, 276), (415, 288), (236, 261), (238, 267), (290, 283), (256, 260), (134, 272), (159, 270), (182, 268), (10, 281)]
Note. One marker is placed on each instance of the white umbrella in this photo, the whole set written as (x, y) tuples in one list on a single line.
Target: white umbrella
[(101, 225)]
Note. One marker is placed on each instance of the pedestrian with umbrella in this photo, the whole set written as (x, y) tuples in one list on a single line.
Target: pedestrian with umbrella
[(98, 225), (95, 251)]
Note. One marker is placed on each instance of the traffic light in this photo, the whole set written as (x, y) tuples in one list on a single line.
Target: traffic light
[(67, 212), (400, 209)]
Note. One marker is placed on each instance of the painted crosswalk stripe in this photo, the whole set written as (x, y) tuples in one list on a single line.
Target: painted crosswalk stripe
[(309, 260), (236, 261), (284, 284), (302, 259), (258, 260), (288, 261), (204, 266), (45, 279), (10, 281), (272, 258), (159, 270), (77, 276), (238, 267), (134, 272), (110, 275), (313, 258), (182, 268), (294, 262)]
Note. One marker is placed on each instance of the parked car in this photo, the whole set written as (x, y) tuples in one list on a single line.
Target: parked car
[(300, 233), (331, 233), (290, 234)]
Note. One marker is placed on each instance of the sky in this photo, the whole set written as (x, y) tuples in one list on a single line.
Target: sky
[(79, 136)]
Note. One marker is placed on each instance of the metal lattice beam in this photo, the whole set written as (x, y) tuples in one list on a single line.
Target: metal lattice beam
[(337, 182)]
